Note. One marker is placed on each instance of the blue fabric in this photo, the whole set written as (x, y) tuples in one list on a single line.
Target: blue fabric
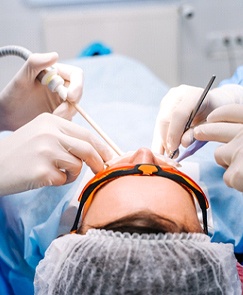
[(237, 78), (96, 48), (29, 222)]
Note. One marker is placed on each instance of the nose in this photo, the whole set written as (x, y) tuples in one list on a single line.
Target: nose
[(143, 155)]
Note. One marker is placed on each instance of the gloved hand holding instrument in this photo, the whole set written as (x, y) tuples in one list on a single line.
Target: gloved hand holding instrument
[(196, 144), (176, 108), (48, 76), (45, 149)]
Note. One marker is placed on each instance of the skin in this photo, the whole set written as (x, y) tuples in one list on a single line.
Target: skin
[(132, 194)]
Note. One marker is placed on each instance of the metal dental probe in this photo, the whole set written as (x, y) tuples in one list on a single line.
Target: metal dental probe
[(196, 144)]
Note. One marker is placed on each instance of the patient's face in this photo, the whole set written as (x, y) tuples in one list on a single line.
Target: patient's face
[(131, 194)]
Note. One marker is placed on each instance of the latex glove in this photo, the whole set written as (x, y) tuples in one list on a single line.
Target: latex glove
[(225, 125), (24, 97), (48, 151), (175, 110)]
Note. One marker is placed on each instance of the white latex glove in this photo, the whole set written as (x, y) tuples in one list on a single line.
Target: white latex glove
[(175, 110), (24, 97), (225, 124), (47, 151)]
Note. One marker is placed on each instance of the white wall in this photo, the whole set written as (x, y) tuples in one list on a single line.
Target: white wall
[(148, 33), (22, 26), (19, 26), (212, 18)]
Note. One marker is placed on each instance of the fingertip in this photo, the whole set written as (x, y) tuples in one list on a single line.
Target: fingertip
[(51, 55), (74, 94), (92, 158), (187, 138), (65, 110), (222, 158), (58, 178), (227, 179), (198, 133), (107, 154), (71, 176), (210, 117), (96, 167), (55, 54)]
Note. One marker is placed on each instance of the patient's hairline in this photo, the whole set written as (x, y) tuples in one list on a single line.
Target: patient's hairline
[(142, 221)]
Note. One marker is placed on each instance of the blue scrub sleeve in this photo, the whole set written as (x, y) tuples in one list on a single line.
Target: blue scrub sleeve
[(237, 78)]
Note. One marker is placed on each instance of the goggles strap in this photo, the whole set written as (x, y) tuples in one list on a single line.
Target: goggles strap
[(139, 170), (180, 180), (92, 186)]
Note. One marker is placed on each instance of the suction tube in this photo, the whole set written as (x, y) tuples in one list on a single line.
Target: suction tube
[(15, 50), (55, 83)]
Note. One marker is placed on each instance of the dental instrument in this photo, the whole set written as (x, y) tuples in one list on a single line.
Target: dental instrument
[(190, 150), (55, 83), (197, 144)]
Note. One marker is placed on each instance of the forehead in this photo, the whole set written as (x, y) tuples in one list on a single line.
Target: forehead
[(130, 194)]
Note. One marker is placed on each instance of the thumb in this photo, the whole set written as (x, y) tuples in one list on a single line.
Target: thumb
[(38, 62)]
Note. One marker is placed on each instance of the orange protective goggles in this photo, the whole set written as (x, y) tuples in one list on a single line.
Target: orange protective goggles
[(109, 174)]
